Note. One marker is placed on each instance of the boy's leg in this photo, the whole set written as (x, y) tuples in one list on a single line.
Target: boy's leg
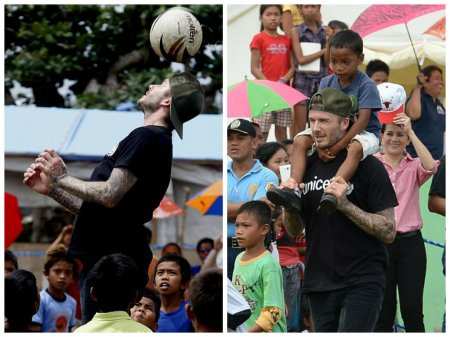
[(361, 308), (280, 133), (283, 120), (302, 144), (299, 120), (264, 121)]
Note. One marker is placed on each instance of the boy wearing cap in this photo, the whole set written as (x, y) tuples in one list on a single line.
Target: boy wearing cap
[(346, 260), (247, 177), (126, 186)]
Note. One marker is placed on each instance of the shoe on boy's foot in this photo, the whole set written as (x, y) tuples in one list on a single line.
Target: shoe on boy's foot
[(285, 197), (327, 204)]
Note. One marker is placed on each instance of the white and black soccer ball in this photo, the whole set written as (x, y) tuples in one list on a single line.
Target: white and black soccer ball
[(176, 34)]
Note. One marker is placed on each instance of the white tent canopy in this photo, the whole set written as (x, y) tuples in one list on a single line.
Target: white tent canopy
[(390, 44)]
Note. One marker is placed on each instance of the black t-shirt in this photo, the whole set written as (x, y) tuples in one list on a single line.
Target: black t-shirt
[(147, 153), (339, 254), (438, 183)]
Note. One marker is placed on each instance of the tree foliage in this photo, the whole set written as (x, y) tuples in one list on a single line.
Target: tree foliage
[(105, 49)]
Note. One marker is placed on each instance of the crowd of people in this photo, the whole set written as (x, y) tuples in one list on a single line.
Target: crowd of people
[(177, 297), (325, 227), (99, 270)]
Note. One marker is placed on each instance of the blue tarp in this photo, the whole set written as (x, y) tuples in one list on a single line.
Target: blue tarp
[(81, 134)]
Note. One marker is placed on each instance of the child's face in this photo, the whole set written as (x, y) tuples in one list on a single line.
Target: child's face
[(168, 278), (60, 275), (249, 232), (279, 158), (379, 77), (271, 18), (344, 62), (144, 312)]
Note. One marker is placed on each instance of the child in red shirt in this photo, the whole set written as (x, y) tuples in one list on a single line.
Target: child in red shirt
[(271, 59)]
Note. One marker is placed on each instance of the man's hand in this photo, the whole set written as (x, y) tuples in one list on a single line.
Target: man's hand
[(37, 180), (51, 164), (338, 188)]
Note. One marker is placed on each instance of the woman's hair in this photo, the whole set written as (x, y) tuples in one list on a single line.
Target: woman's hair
[(21, 297), (267, 150), (263, 8)]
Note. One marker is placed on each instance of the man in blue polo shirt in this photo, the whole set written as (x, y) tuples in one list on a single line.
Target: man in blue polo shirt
[(247, 177)]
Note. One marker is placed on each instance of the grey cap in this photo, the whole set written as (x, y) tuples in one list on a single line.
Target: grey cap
[(187, 99), (333, 101)]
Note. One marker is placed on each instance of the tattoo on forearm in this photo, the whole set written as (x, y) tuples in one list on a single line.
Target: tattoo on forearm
[(107, 193), (381, 225), (68, 201)]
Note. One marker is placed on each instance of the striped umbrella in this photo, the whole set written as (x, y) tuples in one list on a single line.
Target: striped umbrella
[(208, 201), (255, 97)]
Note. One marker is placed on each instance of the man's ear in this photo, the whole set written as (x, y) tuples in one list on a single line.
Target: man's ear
[(189, 311), (93, 294), (166, 102)]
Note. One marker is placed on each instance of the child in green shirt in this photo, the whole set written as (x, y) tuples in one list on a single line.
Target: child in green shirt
[(257, 275)]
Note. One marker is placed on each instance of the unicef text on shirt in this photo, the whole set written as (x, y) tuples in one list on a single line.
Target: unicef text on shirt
[(316, 185)]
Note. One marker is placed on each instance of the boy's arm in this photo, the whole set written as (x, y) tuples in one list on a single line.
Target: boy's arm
[(298, 53), (255, 64), (359, 125)]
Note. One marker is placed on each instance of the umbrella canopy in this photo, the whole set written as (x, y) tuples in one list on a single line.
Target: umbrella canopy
[(167, 208), (208, 201), (378, 17), (13, 219), (255, 97)]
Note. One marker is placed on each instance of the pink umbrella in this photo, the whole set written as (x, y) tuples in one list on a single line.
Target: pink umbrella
[(378, 17), (255, 97)]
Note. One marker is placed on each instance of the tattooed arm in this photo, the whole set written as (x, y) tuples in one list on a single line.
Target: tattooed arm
[(380, 225), (107, 193), (68, 201)]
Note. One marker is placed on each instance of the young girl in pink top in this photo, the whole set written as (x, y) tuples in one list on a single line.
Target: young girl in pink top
[(407, 257)]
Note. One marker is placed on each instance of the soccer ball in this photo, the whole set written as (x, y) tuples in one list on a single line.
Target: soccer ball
[(176, 34)]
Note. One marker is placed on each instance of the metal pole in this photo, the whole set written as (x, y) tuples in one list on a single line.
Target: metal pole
[(412, 45)]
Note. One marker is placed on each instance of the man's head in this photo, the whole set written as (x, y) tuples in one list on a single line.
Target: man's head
[(115, 282), (260, 139), (205, 307), (178, 98), (252, 223), (10, 262), (146, 310), (59, 268), (330, 111), (378, 71), (204, 246), (346, 54), (241, 140), (172, 275)]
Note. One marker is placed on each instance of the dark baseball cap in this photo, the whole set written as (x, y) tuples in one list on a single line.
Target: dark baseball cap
[(333, 101), (187, 99), (242, 126)]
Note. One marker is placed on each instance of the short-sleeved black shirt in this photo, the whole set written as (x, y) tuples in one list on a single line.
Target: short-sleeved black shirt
[(147, 153), (438, 183), (339, 254)]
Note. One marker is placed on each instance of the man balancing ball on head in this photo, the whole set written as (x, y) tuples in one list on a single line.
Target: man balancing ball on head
[(126, 186)]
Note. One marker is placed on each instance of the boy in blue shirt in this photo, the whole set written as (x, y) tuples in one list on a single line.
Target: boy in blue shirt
[(56, 309), (172, 277), (362, 138)]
